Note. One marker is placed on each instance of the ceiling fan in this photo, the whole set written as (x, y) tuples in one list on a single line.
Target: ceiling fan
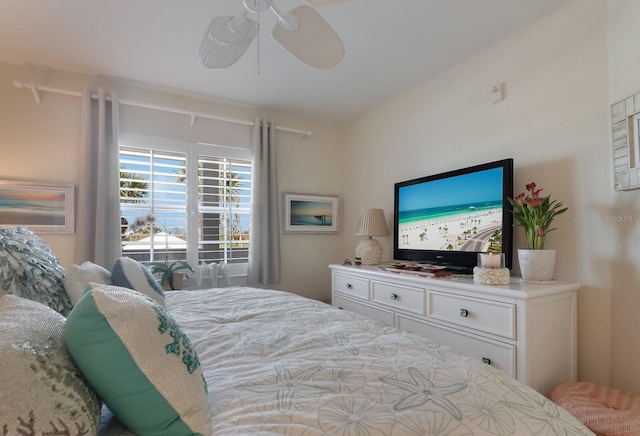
[(301, 31)]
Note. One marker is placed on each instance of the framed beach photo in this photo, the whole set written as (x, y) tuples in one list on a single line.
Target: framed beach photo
[(307, 213), (40, 207)]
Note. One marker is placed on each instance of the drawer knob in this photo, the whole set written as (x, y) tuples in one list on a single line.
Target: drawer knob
[(464, 313), (349, 286), (486, 360), (394, 296)]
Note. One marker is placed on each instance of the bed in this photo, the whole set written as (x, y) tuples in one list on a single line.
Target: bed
[(252, 361), (277, 363)]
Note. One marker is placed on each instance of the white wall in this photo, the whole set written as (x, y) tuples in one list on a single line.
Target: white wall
[(553, 122), (561, 74), (624, 233), (41, 142)]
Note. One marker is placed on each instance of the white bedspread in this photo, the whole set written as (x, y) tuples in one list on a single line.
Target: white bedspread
[(282, 364)]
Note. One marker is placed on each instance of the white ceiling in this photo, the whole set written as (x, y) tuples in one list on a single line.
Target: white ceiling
[(390, 46)]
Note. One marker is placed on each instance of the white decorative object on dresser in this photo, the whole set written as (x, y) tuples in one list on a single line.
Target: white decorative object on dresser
[(526, 330)]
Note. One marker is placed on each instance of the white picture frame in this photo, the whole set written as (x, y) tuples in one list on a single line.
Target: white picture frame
[(625, 137), (42, 208), (310, 213)]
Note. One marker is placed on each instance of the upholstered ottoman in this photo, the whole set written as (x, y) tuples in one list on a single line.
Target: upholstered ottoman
[(604, 410)]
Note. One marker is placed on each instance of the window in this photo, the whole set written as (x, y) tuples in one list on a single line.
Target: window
[(184, 201)]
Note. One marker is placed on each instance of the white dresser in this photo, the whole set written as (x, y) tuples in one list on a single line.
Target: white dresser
[(526, 330)]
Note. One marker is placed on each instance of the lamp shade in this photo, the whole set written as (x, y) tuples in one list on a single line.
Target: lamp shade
[(371, 223)]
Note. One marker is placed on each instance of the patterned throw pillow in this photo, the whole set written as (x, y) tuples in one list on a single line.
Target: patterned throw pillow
[(130, 273), (29, 269), (42, 391), (139, 361), (79, 276)]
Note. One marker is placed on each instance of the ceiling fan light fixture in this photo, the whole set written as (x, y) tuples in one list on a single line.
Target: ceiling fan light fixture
[(221, 47), (238, 23)]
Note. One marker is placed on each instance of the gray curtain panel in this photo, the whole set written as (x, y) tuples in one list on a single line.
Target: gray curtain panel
[(98, 206), (264, 238)]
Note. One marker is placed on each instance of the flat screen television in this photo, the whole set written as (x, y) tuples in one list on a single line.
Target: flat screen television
[(447, 219)]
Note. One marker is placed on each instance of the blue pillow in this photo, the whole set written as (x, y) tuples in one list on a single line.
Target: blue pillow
[(139, 361), (130, 273)]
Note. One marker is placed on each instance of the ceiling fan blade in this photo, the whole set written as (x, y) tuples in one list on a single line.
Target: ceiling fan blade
[(316, 3), (314, 43), (286, 20), (221, 47)]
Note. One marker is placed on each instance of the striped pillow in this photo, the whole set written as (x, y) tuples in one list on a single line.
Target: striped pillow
[(130, 273)]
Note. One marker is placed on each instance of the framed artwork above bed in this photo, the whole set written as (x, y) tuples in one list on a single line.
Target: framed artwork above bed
[(309, 213), (43, 208)]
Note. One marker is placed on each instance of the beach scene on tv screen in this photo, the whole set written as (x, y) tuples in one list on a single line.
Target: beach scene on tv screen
[(461, 213)]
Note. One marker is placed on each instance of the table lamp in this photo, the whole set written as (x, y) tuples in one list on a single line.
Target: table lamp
[(370, 224)]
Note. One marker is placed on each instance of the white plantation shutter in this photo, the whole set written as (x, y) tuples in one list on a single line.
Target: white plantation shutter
[(224, 187), (198, 194), (154, 182)]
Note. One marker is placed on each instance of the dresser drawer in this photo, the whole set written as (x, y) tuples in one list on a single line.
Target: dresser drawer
[(483, 315), (494, 353), (351, 285), (397, 296), (386, 316)]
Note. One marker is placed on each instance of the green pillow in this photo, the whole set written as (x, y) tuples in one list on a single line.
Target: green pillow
[(139, 362)]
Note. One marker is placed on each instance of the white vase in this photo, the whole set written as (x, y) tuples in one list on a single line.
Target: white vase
[(537, 265)]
